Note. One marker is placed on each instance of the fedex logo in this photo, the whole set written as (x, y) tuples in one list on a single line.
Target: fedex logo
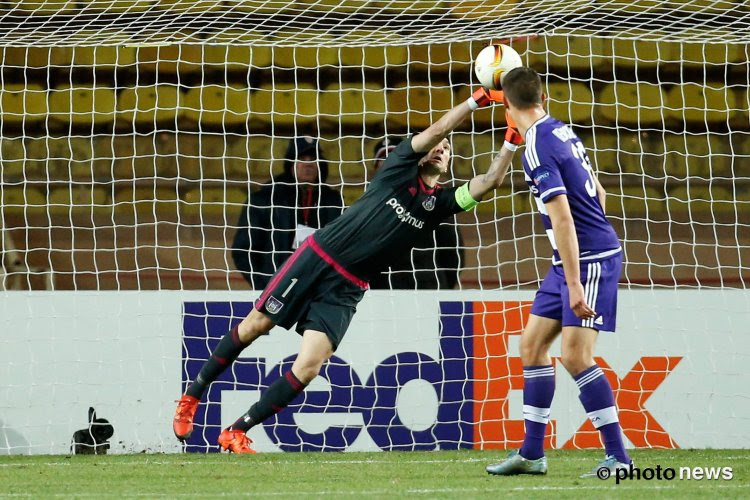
[(472, 376)]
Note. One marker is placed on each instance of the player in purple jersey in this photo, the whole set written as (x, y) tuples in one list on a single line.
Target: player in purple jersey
[(578, 297), (319, 286)]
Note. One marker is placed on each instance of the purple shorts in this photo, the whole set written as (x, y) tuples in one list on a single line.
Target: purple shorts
[(599, 280)]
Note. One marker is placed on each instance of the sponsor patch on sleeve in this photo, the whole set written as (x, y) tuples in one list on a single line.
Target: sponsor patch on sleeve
[(539, 178)]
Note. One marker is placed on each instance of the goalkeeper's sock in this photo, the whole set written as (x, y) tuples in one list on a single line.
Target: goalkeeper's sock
[(229, 348), (599, 402), (273, 400), (538, 390)]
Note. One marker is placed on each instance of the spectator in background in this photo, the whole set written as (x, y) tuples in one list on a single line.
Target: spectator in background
[(284, 212), (434, 263)]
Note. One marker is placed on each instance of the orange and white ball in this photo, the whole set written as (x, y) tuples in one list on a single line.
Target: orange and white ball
[(493, 62)]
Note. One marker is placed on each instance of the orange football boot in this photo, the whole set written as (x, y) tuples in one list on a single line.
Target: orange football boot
[(183, 417), (235, 441)]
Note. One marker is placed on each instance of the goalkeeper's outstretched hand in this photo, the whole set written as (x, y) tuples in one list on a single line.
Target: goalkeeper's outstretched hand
[(512, 135), (484, 97)]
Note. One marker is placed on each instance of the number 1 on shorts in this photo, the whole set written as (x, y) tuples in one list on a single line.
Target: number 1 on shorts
[(291, 285)]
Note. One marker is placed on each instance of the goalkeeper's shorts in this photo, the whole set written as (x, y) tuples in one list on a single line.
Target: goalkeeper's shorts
[(599, 279), (314, 292)]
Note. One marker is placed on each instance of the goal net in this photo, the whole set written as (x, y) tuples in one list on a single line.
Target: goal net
[(150, 145)]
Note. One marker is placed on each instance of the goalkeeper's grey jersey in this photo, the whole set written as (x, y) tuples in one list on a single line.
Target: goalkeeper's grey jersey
[(388, 219)]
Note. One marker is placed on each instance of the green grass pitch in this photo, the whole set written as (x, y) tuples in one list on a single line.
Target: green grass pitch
[(443, 474)]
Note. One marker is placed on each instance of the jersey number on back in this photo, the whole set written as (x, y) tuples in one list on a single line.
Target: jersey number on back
[(580, 152)]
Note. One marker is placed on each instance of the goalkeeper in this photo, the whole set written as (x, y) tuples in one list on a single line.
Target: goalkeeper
[(318, 287)]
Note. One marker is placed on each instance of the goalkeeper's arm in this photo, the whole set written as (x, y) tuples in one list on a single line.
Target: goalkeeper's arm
[(483, 184), (425, 141)]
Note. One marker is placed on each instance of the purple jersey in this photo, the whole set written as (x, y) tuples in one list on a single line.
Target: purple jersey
[(555, 163)]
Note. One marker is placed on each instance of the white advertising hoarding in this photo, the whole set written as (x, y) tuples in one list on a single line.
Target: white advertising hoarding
[(417, 370)]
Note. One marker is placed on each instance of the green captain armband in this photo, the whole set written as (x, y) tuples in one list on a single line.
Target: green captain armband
[(464, 198)]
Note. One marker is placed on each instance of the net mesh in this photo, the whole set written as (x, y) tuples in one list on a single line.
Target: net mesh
[(358, 22), (129, 149)]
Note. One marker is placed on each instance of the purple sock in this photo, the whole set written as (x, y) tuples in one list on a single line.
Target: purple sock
[(538, 389), (599, 401)]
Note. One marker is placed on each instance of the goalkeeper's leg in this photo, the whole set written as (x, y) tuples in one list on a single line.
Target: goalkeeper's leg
[(596, 393), (229, 348), (315, 350)]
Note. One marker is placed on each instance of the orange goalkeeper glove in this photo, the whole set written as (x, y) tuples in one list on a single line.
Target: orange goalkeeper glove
[(484, 97), (513, 137)]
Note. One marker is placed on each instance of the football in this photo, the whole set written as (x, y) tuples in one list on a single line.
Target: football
[(493, 62)]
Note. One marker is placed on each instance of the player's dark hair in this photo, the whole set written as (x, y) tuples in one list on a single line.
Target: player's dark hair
[(523, 87)]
